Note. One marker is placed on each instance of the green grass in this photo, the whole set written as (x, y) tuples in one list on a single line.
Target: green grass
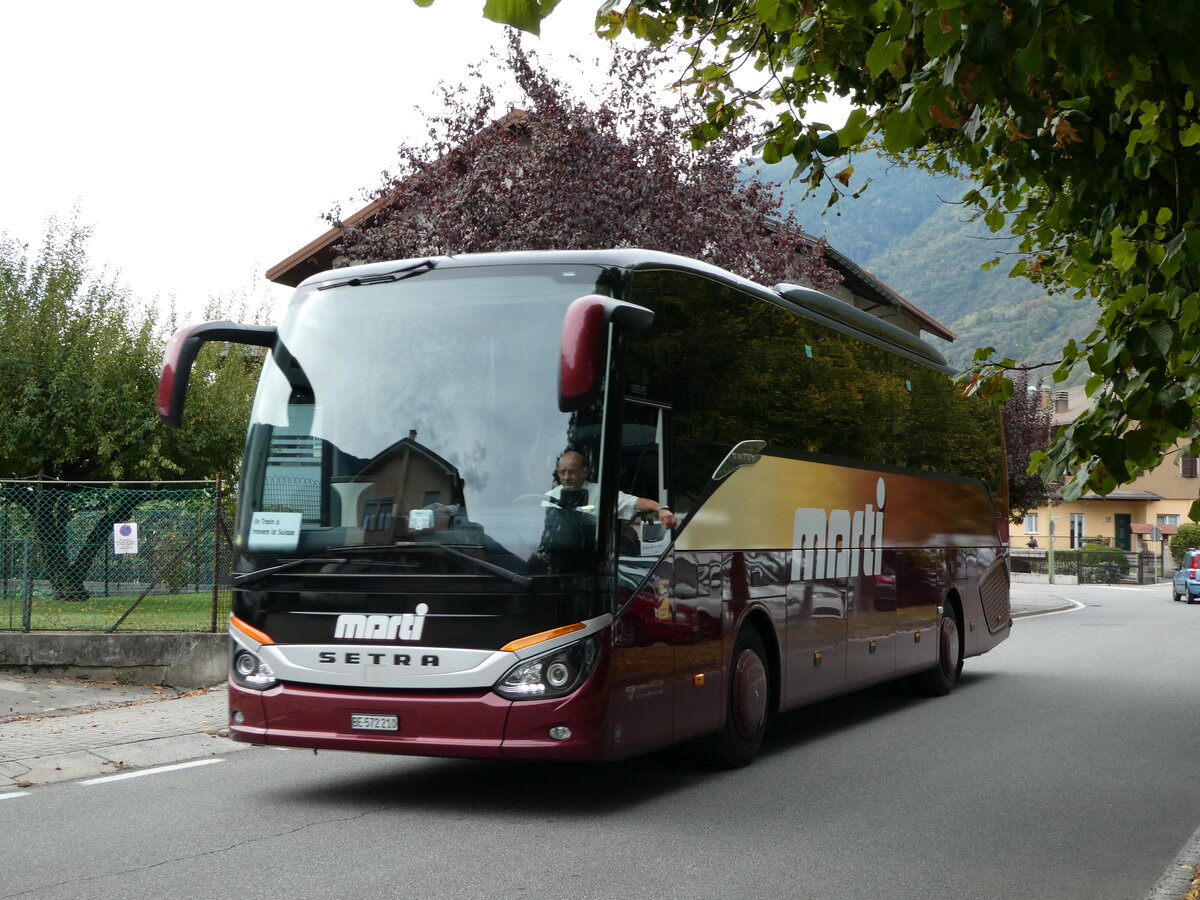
[(156, 612)]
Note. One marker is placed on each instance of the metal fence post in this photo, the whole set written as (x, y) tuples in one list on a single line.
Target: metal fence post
[(216, 566), (27, 593)]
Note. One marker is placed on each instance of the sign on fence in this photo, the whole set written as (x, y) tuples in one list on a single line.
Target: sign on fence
[(125, 537)]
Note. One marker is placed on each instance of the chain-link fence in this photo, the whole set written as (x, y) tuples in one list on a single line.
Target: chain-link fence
[(106, 558)]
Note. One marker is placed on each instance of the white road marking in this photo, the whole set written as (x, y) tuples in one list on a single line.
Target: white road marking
[(155, 771), (10, 794), (1075, 606)]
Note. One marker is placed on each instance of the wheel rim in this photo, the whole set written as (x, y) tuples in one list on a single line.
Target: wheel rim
[(749, 693), (949, 647)]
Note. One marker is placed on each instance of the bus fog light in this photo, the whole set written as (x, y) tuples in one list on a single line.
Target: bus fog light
[(238, 717), (560, 732)]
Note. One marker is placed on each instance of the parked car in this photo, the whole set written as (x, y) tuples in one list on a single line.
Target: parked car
[(1186, 583)]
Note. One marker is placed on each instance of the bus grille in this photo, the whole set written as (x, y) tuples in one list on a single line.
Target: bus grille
[(993, 592)]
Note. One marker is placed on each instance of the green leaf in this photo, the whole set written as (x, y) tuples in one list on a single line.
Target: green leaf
[(1180, 414), (884, 51), (779, 15), (940, 31), (1031, 57), (902, 131), (857, 127), (828, 144), (1160, 334), (526, 15), (1124, 253), (1138, 444)]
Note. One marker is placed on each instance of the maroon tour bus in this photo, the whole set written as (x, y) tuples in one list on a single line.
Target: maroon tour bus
[(411, 577)]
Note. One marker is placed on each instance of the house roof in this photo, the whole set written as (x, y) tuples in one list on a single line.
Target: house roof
[(318, 255), (1125, 496), (864, 284), (1147, 528)]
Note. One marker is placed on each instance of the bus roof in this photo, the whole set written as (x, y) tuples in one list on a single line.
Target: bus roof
[(809, 302)]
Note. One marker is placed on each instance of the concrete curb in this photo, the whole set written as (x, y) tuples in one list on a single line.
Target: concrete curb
[(188, 659), (1177, 879)]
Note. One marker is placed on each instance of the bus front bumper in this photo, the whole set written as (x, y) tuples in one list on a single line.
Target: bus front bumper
[(436, 723)]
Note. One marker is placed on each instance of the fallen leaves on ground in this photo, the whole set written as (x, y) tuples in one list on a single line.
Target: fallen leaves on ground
[(1194, 891)]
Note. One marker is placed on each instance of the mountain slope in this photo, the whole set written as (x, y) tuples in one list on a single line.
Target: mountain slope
[(908, 230)]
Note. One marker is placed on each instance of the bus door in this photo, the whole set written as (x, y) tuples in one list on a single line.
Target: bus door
[(643, 684), (919, 591), (698, 610), (815, 640), (871, 625)]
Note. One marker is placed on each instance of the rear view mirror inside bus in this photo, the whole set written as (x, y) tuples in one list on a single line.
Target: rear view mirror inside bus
[(585, 344)]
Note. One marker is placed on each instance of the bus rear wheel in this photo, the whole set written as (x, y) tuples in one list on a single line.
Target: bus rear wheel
[(747, 703), (940, 680)]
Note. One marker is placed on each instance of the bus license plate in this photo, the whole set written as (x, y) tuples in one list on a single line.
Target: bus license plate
[(363, 722)]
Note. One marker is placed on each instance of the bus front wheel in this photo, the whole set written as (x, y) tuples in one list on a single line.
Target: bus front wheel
[(940, 680), (747, 701)]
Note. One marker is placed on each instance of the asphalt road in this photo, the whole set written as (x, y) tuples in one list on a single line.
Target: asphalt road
[(1061, 767)]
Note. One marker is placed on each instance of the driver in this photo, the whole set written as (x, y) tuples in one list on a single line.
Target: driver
[(572, 472)]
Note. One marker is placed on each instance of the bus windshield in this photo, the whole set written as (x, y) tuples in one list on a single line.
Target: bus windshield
[(423, 411)]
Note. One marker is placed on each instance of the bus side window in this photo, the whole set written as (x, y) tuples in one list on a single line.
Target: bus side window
[(642, 440), (642, 473)]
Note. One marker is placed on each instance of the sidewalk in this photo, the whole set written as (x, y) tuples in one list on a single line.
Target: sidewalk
[(59, 729), (1036, 599)]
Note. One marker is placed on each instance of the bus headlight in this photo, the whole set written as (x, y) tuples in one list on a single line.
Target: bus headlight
[(552, 674), (251, 672)]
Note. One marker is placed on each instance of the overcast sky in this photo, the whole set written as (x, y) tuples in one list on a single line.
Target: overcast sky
[(203, 142)]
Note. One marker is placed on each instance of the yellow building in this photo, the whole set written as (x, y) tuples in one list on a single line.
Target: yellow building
[(1126, 518)]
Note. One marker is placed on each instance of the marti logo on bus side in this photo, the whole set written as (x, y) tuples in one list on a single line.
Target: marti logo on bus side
[(856, 538), (405, 627)]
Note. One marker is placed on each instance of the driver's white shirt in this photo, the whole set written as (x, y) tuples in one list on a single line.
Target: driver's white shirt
[(626, 508)]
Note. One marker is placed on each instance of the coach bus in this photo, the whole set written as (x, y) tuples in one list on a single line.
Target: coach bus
[(410, 579)]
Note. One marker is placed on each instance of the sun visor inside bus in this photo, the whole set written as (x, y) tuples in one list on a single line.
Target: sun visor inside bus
[(585, 329), (181, 353)]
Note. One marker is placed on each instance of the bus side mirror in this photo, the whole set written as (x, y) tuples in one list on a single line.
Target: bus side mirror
[(746, 453), (181, 354), (585, 327)]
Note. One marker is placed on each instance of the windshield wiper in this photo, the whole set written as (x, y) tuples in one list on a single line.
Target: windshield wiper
[(259, 574), (449, 550), (383, 277)]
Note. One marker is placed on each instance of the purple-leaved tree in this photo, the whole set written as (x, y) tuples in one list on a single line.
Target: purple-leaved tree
[(1028, 429), (558, 173)]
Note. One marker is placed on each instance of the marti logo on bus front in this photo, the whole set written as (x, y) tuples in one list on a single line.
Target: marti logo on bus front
[(406, 627), (852, 536)]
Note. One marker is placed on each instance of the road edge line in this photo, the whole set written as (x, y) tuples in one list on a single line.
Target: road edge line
[(152, 771)]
